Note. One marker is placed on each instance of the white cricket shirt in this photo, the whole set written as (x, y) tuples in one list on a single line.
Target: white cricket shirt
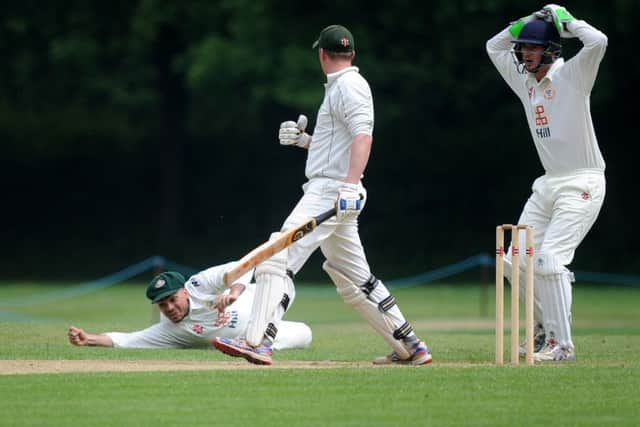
[(203, 322), (557, 107), (346, 111)]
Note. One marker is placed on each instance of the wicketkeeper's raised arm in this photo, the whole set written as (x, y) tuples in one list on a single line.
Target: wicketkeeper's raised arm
[(292, 133), (584, 65), (499, 49)]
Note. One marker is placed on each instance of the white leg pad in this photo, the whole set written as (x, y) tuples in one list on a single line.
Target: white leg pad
[(274, 294), (378, 309), (537, 307), (555, 295), (292, 335)]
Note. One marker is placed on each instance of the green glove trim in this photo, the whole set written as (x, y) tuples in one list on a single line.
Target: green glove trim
[(562, 17), (563, 14), (516, 27)]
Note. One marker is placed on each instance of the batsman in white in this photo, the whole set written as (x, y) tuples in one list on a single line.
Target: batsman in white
[(566, 200), (338, 153), (194, 312)]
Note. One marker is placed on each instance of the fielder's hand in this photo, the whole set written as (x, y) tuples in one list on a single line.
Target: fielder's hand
[(349, 203), (561, 17), (292, 133), (224, 300), (77, 336)]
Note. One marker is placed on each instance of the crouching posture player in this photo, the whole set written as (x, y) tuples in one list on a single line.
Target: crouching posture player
[(338, 153), (566, 200), (195, 312)]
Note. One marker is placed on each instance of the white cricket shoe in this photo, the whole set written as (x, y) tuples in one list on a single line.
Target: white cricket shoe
[(552, 352)]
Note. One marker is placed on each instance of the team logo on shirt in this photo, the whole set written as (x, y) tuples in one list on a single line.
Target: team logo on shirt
[(549, 93), (542, 122), (198, 329), (585, 195), (227, 318), (195, 283)]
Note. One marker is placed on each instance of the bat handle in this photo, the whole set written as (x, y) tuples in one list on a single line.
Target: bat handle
[(325, 216)]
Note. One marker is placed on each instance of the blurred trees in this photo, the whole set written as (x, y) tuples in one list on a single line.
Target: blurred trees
[(150, 126)]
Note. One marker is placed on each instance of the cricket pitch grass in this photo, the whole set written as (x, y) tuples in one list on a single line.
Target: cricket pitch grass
[(44, 381)]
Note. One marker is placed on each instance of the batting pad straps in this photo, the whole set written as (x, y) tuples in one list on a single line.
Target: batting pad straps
[(370, 285), (271, 331), (274, 294), (386, 304), (376, 305), (403, 331), (285, 302)]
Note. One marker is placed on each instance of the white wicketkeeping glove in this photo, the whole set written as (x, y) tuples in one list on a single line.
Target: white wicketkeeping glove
[(561, 17), (349, 203), (292, 133)]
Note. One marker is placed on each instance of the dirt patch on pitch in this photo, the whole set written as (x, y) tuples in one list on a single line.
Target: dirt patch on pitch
[(21, 367), (13, 367)]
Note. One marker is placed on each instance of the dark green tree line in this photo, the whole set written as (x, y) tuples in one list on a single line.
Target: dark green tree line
[(134, 128)]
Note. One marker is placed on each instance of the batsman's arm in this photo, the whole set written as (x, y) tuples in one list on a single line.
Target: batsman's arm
[(360, 152), (271, 247)]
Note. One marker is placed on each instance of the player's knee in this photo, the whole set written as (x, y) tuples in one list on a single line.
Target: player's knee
[(372, 290), (350, 293), (547, 263), (305, 335)]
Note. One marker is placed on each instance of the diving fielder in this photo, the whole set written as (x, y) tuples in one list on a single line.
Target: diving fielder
[(566, 200), (338, 153), (194, 312)]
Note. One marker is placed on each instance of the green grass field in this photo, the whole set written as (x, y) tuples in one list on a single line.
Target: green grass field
[(461, 386)]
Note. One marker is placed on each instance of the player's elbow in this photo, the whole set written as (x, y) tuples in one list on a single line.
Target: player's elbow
[(604, 40), (599, 40)]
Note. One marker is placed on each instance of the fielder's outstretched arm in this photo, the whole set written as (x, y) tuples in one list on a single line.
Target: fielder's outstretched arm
[(80, 338)]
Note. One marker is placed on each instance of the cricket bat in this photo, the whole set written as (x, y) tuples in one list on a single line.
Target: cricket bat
[(271, 247)]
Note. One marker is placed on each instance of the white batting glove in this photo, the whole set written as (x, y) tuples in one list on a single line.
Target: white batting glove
[(349, 203), (561, 17), (292, 133)]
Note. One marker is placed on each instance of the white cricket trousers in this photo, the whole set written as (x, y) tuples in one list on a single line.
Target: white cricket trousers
[(562, 209), (339, 240)]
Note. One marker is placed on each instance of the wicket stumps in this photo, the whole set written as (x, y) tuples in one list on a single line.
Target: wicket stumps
[(515, 291)]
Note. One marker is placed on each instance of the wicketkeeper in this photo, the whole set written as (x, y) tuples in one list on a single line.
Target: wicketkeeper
[(566, 200)]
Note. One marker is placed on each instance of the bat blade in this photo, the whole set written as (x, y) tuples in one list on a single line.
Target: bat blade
[(272, 247)]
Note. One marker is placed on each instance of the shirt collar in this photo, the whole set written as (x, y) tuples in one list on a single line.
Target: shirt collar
[(557, 64), (331, 78)]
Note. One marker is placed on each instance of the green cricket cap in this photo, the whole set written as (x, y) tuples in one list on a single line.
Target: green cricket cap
[(335, 38), (164, 285)]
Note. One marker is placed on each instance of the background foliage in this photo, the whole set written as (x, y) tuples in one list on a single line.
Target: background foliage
[(131, 128)]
